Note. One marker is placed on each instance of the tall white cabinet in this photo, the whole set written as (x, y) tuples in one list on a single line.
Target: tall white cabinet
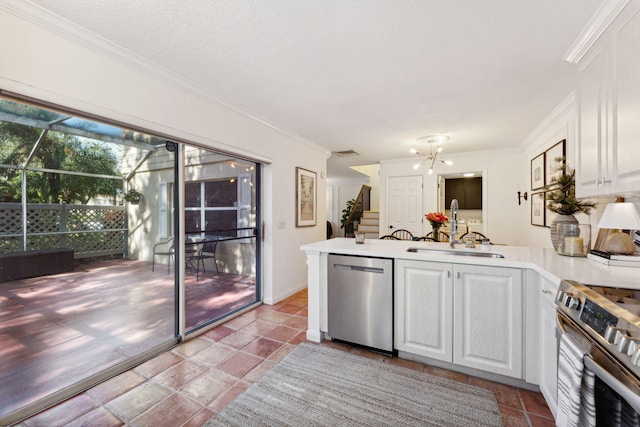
[(608, 98), (468, 315)]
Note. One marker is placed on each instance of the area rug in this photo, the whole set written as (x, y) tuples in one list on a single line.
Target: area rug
[(317, 385)]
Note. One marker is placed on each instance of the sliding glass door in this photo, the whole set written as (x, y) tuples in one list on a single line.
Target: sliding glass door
[(86, 254), (221, 236)]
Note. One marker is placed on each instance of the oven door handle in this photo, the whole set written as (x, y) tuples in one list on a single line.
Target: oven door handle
[(625, 392), (560, 324)]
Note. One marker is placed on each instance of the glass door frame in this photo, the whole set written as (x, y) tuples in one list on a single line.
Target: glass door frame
[(181, 234)]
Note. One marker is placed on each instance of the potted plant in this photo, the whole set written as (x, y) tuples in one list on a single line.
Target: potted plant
[(133, 196), (562, 199), (346, 212)]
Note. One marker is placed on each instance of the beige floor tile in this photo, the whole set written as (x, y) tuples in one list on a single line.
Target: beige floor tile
[(116, 386), (209, 386), (136, 401), (173, 411)]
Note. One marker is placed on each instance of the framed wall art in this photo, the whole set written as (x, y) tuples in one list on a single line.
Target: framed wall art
[(306, 191), (551, 164), (538, 209), (537, 172)]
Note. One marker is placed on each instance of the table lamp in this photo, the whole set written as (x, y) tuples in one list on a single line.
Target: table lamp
[(620, 216)]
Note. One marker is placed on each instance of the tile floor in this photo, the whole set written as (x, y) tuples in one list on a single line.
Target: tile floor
[(189, 384), (45, 320)]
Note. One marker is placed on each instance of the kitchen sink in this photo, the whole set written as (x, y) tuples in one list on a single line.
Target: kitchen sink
[(479, 254)]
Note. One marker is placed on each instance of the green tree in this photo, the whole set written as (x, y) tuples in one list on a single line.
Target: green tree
[(57, 152), (98, 159)]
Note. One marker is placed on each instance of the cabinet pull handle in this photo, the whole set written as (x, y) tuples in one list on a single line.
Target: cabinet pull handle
[(602, 181), (544, 291), (448, 274), (458, 275)]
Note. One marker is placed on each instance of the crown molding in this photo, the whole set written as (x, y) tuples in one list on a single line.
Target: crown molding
[(596, 26), (69, 30)]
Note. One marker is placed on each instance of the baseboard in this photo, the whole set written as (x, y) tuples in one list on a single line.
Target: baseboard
[(285, 295)]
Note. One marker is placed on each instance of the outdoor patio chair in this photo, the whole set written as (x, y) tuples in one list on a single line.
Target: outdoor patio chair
[(206, 249), (166, 248)]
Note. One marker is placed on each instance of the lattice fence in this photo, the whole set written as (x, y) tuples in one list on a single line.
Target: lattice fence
[(89, 230)]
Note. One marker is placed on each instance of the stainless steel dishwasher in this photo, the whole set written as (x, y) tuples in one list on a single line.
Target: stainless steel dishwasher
[(360, 301)]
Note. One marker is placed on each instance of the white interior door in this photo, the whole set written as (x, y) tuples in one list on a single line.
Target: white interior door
[(404, 204)]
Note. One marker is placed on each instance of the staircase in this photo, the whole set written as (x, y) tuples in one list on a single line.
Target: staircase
[(369, 223)]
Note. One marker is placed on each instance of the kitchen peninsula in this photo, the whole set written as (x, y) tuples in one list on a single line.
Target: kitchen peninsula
[(492, 316)]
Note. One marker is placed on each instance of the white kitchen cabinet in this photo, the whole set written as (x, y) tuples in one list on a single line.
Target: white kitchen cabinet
[(464, 314), (548, 344), (424, 309), (487, 322), (608, 97)]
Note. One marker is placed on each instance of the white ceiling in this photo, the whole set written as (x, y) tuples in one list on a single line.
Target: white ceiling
[(368, 75)]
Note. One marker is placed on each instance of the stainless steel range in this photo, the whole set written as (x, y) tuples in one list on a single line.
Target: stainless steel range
[(605, 323)]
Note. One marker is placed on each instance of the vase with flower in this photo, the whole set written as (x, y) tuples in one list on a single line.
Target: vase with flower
[(436, 219)]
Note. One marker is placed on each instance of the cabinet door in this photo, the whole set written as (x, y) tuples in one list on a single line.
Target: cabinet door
[(488, 326), (473, 193), (626, 148), (590, 168), (608, 99), (548, 344), (423, 308), (454, 189)]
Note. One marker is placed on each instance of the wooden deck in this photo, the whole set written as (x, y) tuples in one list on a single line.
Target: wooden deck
[(57, 330)]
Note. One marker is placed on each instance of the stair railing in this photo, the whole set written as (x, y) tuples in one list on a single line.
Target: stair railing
[(363, 203)]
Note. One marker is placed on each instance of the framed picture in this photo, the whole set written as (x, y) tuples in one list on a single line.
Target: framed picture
[(305, 198), (551, 172), (537, 172), (538, 209)]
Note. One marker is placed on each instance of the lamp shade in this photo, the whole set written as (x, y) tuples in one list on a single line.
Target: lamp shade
[(620, 216)]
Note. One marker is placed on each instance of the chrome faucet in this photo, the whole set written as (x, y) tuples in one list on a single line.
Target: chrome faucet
[(454, 223)]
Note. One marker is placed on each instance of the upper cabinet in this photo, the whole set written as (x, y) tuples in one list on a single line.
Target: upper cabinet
[(608, 98), (468, 192)]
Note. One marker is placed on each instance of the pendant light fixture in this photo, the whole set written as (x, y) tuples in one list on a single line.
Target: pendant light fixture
[(435, 146)]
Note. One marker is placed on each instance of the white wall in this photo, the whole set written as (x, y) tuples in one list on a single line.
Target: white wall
[(559, 125), (502, 173), (51, 60)]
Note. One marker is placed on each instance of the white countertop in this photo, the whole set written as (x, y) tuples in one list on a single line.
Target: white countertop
[(545, 261)]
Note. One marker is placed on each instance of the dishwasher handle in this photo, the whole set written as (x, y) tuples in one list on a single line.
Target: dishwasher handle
[(359, 268)]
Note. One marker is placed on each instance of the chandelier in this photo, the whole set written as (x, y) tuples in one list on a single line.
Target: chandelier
[(435, 146)]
